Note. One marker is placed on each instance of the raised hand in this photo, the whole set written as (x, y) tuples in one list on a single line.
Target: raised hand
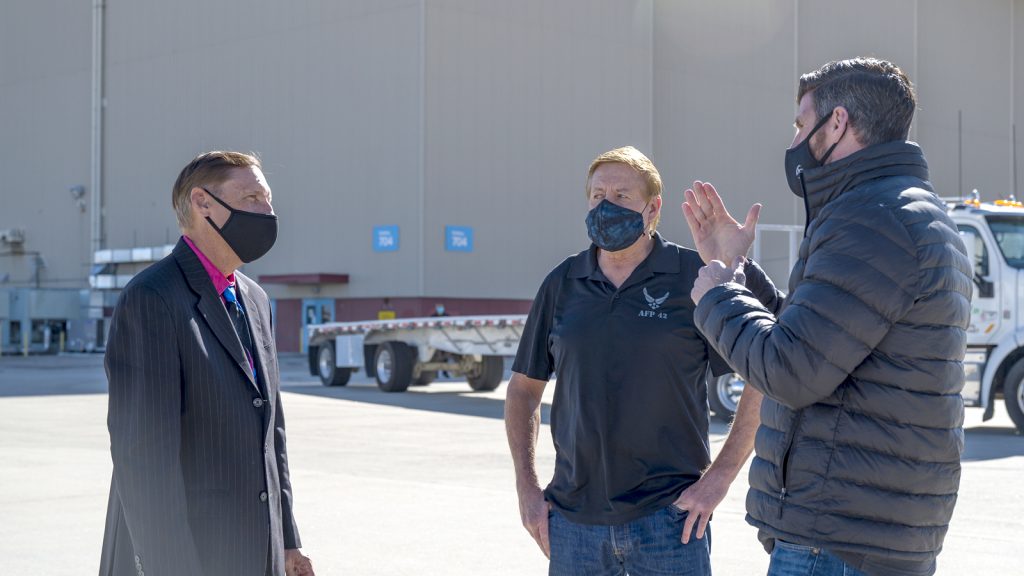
[(717, 235), (716, 274)]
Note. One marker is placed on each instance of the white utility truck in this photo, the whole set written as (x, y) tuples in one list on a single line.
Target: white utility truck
[(411, 351), (994, 364)]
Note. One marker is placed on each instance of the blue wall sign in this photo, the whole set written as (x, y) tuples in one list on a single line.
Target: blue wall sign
[(458, 238), (385, 238)]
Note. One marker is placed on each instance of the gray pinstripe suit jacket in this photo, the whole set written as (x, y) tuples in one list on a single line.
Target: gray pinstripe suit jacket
[(200, 483)]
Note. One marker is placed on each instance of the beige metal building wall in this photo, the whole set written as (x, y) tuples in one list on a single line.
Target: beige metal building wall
[(44, 140), (426, 113), (327, 93), (520, 97)]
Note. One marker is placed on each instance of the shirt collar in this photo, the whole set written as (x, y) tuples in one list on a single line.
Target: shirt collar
[(220, 281), (662, 260)]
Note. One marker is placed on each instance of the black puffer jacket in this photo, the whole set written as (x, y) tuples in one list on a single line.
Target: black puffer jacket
[(861, 429)]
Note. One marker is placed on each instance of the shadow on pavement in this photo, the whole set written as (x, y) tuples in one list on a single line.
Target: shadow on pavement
[(454, 399), (52, 375), (992, 443), (448, 397)]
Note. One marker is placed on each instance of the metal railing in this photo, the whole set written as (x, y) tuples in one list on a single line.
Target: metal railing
[(795, 234)]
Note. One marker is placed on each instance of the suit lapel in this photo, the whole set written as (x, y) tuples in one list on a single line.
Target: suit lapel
[(252, 314), (211, 308)]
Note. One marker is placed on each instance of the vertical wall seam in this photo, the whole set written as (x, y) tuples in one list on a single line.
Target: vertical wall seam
[(1013, 80), (422, 176), (96, 148)]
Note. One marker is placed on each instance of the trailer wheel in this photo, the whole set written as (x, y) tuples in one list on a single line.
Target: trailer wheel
[(331, 375), (489, 374), (1013, 394), (313, 359), (724, 395), (393, 366)]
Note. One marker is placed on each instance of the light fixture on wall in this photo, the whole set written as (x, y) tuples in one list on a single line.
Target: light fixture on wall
[(78, 195)]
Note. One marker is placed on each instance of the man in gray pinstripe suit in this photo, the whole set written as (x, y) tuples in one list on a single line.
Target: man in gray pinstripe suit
[(197, 434)]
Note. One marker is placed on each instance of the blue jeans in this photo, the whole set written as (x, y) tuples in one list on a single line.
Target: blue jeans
[(648, 546), (796, 560)]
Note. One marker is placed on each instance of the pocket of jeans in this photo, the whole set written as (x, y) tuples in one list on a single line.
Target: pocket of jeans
[(677, 512), (795, 547)]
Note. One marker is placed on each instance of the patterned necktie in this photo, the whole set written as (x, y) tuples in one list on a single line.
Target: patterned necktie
[(237, 315)]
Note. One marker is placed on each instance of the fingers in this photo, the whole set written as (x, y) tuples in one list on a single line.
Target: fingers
[(545, 537), (691, 218), (738, 275), (714, 200), (691, 518), (752, 216), (714, 268), (694, 203), (536, 523), (702, 525)]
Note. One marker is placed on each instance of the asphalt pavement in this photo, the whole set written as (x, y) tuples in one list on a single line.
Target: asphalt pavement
[(418, 483)]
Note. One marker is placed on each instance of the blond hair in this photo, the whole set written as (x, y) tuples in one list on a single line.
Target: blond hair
[(636, 160), (206, 170)]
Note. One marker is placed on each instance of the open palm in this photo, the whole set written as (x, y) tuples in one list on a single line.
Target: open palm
[(716, 233)]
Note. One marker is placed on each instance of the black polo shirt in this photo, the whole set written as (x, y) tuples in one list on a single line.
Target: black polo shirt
[(630, 412)]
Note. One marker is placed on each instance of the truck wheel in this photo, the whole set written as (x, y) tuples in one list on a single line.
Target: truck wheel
[(489, 374), (331, 375), (393, 366), (313, 358), (1013, 394), (724, 395)]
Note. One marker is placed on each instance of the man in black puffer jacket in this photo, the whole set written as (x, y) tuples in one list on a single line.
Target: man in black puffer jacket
[(858, 455)]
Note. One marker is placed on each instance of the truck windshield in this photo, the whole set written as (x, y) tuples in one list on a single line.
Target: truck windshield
[(1009, 234)]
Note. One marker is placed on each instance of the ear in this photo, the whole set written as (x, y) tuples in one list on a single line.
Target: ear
[(655, 205), (840, 119), (200, 201)]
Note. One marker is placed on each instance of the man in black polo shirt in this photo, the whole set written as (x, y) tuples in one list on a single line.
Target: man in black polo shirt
[(629, 419)]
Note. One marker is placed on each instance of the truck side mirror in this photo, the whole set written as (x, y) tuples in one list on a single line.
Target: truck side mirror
[(986, 288)]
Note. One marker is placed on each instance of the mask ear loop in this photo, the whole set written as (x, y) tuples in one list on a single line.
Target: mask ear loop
[(833, 147), (650, 233)]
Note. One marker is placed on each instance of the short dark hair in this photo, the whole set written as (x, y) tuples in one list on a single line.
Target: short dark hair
[(877, 95), (207, 169)]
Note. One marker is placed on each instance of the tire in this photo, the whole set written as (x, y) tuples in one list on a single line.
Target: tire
[(1013, 394), (489, 374), (331, 375), (426, 377), (393, 366), (724, 395), (313, 358)]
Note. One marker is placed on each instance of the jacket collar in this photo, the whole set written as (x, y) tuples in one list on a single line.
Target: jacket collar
[(897, 158)]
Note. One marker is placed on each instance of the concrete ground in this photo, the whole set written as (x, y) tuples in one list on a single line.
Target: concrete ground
[(395, 484)]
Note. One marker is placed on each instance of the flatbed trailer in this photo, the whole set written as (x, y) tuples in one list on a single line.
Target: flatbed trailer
[(412, 351)]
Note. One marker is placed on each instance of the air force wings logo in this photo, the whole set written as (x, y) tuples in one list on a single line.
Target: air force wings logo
[(653, 302)]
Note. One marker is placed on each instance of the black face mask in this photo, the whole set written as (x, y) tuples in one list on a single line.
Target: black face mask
[(612, 227), (249, 234), (800, 158)]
